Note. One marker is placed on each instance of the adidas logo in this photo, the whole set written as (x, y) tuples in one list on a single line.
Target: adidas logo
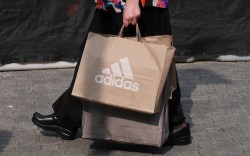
[(118, 75)]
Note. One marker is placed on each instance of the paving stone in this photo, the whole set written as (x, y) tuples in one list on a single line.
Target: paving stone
[(51, 152), (75, 152), (212, 152), (190, 153), (10, 153), (7, 148), (28, 147)]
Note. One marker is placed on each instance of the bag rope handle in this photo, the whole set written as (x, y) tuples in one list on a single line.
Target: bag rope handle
[(138, 34)]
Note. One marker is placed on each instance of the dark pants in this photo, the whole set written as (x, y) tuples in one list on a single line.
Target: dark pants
[(153, 21)]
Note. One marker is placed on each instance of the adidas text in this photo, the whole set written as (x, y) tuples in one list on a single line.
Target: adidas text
[(118, 82)]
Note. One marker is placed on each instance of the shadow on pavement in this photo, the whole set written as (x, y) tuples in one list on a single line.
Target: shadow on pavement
[(48, 133), (106, 145), (190, 79), (4, 139)]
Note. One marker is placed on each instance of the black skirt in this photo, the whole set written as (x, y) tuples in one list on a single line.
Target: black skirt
[(153, 21)]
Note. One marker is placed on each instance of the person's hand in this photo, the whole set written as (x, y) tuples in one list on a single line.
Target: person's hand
[(131, 12)]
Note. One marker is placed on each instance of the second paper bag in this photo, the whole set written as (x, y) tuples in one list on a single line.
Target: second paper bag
[(124, 72)]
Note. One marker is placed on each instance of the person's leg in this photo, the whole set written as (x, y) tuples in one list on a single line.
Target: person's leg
[(67, 115), (67, 108), (176, 115)]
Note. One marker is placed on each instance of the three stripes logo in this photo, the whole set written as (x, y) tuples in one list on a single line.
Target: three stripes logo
[(118, 75)]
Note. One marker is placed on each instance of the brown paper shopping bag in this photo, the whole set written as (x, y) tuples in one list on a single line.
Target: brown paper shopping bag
[(100, 122), (122, 72)]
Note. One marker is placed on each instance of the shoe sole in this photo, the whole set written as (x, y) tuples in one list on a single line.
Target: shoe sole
[(63, 133)]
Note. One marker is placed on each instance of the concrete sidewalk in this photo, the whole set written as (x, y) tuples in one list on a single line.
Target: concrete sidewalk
[(215, 97)]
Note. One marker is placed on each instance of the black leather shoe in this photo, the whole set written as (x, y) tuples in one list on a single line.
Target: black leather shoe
[(180, 137), (51, 123)]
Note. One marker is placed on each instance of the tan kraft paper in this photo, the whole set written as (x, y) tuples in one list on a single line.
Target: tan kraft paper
[(124, 72)]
